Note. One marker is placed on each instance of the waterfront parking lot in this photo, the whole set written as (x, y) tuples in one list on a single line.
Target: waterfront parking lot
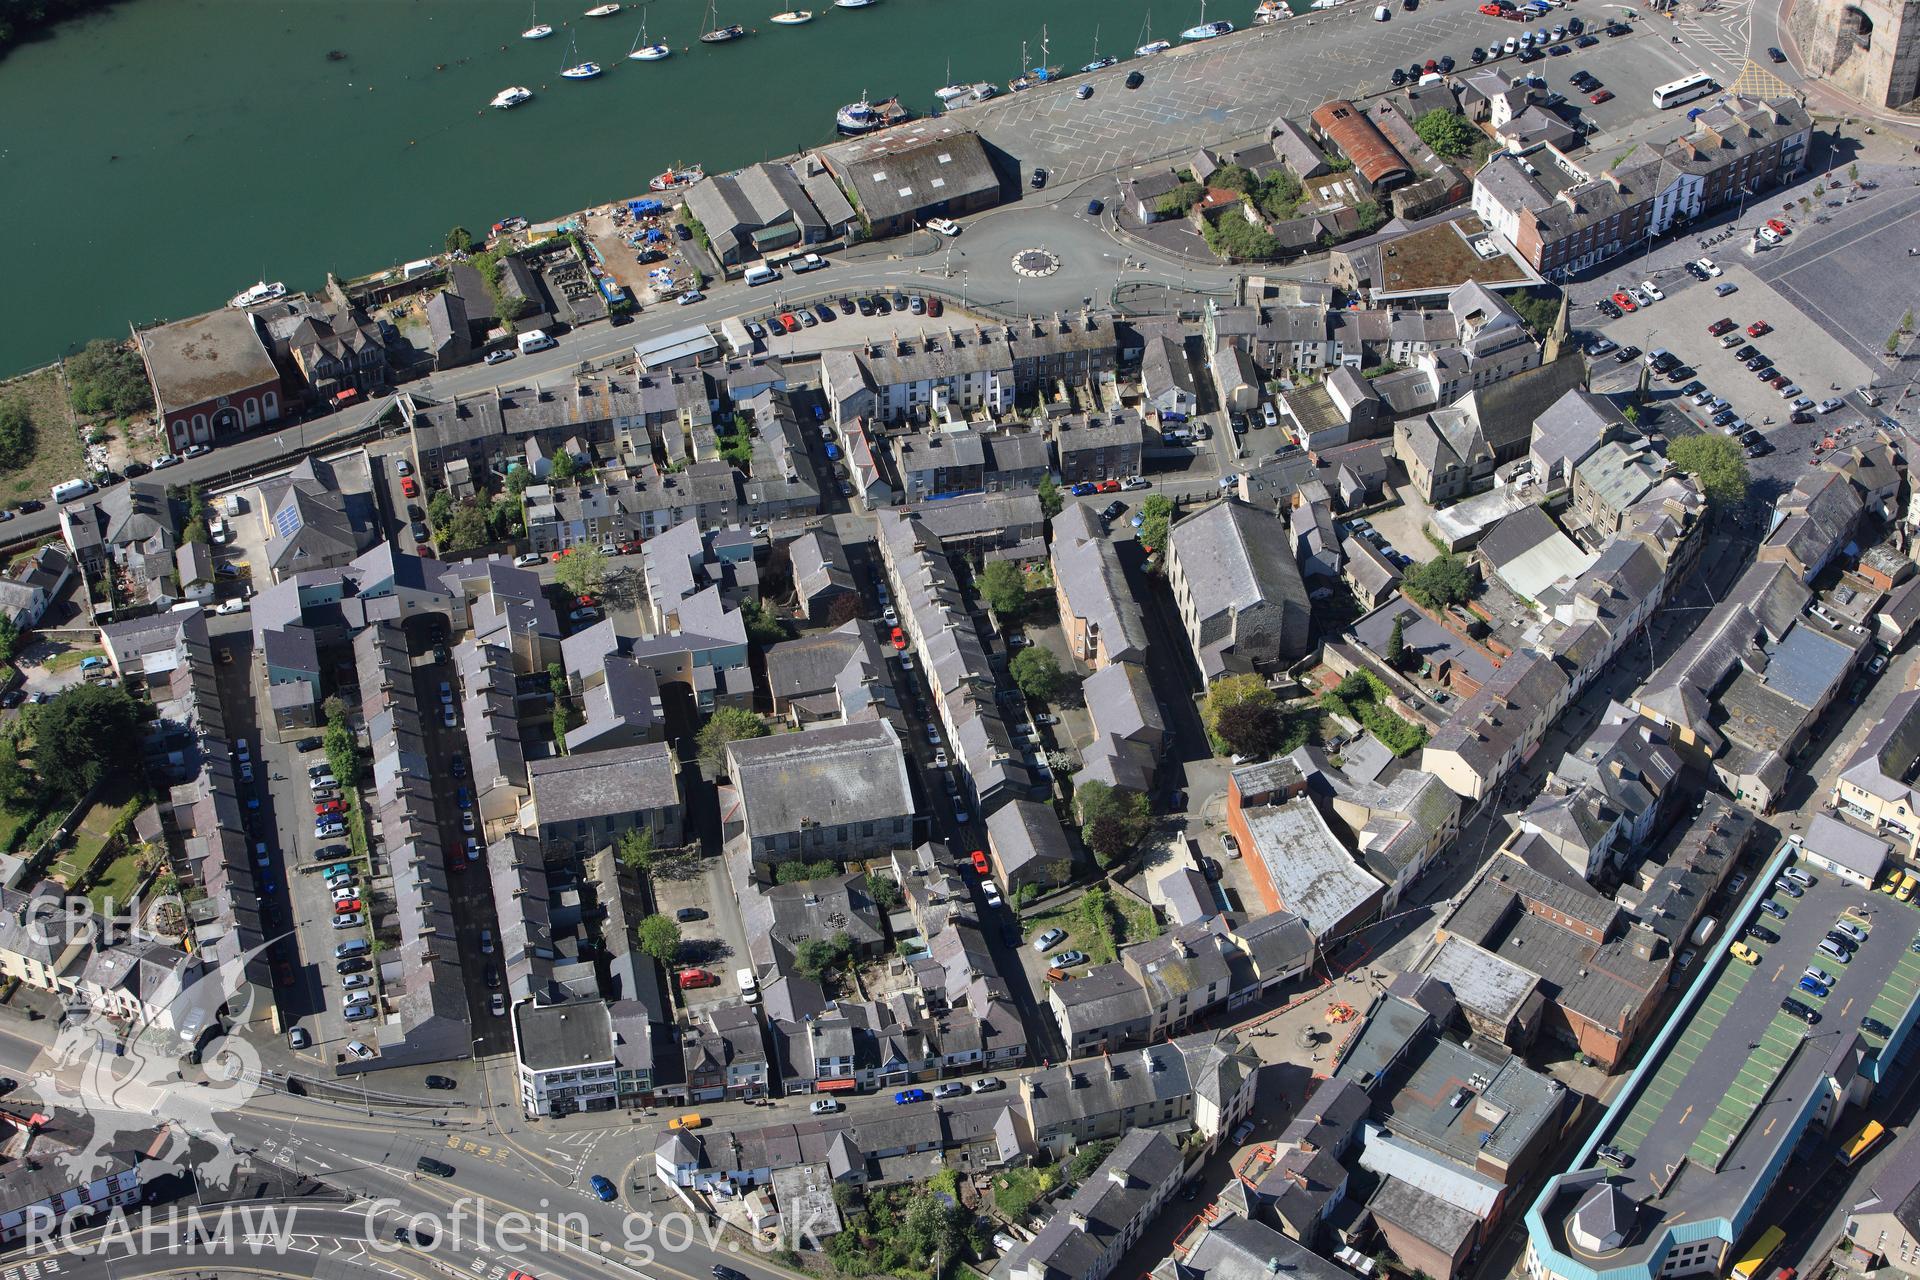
[(1206, 93)]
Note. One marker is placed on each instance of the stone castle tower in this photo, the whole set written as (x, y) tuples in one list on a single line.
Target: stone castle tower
[(1868, 49)]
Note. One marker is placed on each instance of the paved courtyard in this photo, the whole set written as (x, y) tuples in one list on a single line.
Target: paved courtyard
[(1854, 275)]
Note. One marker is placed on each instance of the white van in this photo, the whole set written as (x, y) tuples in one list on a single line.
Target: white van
[(70, 490), (232, 505), (1382, 13), (536, 340), (749, 985), (761, 274)]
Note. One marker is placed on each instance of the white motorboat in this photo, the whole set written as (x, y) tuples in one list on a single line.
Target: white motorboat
[(603, 11), (1270, 11), (1207, 31), (257, 294), (644, 52), (792, 17), (672, 178), (853, 4), (512, 97), (952, 91), (539, 30), (856, 118)]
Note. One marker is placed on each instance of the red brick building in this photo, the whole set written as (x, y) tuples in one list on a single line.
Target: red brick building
[(212, 376)]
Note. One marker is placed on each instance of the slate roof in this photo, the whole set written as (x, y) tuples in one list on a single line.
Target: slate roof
[(824, 777), (601, 783)]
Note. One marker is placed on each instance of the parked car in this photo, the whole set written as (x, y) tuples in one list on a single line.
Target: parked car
[(1051, 937), (905, 1096)]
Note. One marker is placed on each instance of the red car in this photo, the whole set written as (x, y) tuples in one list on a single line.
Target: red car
[(1491, 10), (1759, 329), (346, 904), (588, 602), (1107, 486), (1720, 326), (691, 979), (898, 638), (1779, 227), (565, 551), (1600, 95), (1625, 303), (789, 323), (934, 307), (408, 487), (981, 864), (326, 807)]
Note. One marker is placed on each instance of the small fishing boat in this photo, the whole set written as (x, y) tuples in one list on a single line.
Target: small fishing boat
[(720, 35), (853, 4), (792, 17), (512, 97), (1207, 31), (538, 30), (949, 92), (644, 52), (857, 118), (677, 178), (1270, 11), (1042, 74), (254, 295), (603, 11)]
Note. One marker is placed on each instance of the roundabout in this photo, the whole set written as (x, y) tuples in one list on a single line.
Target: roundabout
[(1035, 264)]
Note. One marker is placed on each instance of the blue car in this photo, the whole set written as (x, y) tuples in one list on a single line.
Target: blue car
[(1809, 985), (1084, 488), (603, 1187), (833, 451), (905, 1096)]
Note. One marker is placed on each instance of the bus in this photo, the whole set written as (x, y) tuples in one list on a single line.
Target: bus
[(1862, 1142), (1694, 86), (1755, 1259)]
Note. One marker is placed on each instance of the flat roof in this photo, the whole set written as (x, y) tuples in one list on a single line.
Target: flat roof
[(1718, 1105)]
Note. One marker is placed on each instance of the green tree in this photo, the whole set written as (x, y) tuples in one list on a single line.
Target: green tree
[(16, 433), (196, 531), (727, 725), (518, 478), (1371, 215), (84, 735), (884, 890), (1442, 581), (763, 627), (1233, 177), (440, 509), (1232, 237), (1906, 323), (582, 571), (17, 786), (10, 638), (468, 528), (815, 956), (1853, 173), (1111, 822), (1893, 343), (1050, 499), (459, 240), (504, 519), (1227, 693), (1279, 195), (1037, 672), (1156, 513), (1539, 308), (108, 378), (565, 466), (1004, 587), (659, 937), (1182, 198), (1717, 462), (563, 724), (1448, 134), (1397, 643)]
